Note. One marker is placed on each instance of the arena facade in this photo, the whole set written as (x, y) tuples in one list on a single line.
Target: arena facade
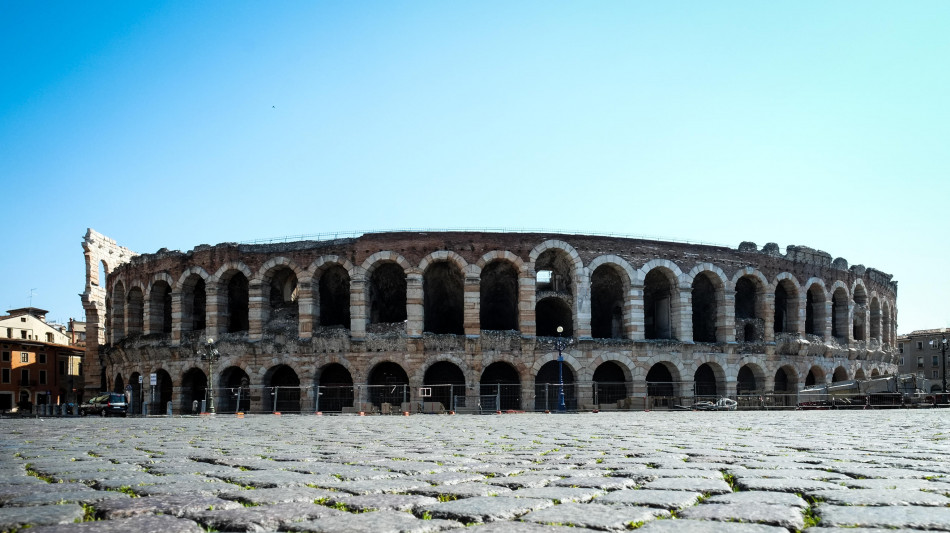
[(380, 321)]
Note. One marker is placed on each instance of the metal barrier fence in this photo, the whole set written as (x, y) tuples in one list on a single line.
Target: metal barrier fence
[(492, 398)]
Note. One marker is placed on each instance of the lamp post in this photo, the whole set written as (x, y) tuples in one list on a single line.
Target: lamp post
[(560, 343), (210, 354), (943, 359)]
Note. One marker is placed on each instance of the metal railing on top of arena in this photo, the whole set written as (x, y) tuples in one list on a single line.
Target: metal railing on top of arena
[(330, 236)]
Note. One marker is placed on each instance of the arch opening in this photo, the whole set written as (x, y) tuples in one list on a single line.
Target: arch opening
[(499, 297), (336, 388), (705, 308), (551, 313), (657, 305), (446, 381), (443, 289), (610, 383), (500, 387), (554, 378), (388, 383), (334, 294), (282, 389), (607, 303), (387, 294)]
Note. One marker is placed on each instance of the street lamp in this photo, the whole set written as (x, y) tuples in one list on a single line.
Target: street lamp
[(560, 343), (943, 358), (210, 354)]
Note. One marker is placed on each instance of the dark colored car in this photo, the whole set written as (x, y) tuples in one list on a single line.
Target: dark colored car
[(112, 403)]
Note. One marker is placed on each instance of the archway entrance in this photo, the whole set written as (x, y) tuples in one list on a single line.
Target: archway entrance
[(388, 383), (335, 388), (236, 395), (194, 389), (610, 383), (548, 388), (446, 381), (282, 390), (500, 388)]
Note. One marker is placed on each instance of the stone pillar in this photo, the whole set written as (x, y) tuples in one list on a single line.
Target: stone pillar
[(582, 307), (177, 323), (358, 307), (305, 308), (681, 313), (826, 334), (726, 322), (255, 310), (472, 299), (415, 320), (526, 301), (216, 309), (633, 313), (768, 335)]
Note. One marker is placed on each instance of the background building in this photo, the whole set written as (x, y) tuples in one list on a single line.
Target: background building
[(920, 354)]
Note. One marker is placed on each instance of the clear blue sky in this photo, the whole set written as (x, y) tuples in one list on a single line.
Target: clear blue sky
[(824, 124)]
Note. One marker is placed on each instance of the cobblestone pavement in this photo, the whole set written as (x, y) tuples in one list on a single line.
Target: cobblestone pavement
[(821, 471)]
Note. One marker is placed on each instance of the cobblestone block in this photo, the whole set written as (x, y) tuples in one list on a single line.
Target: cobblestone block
[(775, 515), (382, 502), (882, 497), (139, 524), (711, 486), (485, 508), (760, 497), (462, 490), (802, 486), (664, 499), (176, 505), (375, 522), (276, 495), (930, 518), (596, 516), (559, 494), (264, 517), (602, 483), (703, 526), (13, 518), (377, 486), (522, 481)]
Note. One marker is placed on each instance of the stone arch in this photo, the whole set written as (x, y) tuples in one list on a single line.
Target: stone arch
[(281, 392), (192, 291), (559, 275), (709, 379), (840, 374), (386, 287), (840, 311), (859, 374), (886, 323), (663, 379), (553, 312), (816, 316), (235, 389), (276, 286), (750, 378), (708, 300), (118, 296), (446, 380), (335, 386), (552, 381), (232, 281), (785, 386), (661, 299), (418, 375), (160, 303), (610, 380), (610, 285), (194, 388), (500, 379), (388, 383), (500, 291), (787, 303), (875, 316), (815, 376), (135, 309), (751, 305), (443, 293), (331, 290)]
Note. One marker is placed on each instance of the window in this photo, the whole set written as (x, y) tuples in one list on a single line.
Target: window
[(24, 357), (920, 362), (920, 345), (934, 360), (22, 333), (43, 377), (935, 374), (902, 361), (42, 358), (5, 378), (49, 337), (6, 357), (62, 368), (22, 319), (900, 347), (9, 333), (24, 377)]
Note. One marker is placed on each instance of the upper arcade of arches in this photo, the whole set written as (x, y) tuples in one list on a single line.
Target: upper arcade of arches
[(467, 282)]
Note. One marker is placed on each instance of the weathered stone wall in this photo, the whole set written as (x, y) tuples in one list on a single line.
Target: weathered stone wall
[(299, 341)]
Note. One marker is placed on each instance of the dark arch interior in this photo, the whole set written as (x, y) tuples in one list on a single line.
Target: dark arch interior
[(704, 309), (745, 381), (164, 392), (500, 380), (657, 295), (236, 393), (499, 297), (237, 303), (548, 387), (660, 381), (284, 390), (336, 388), (705, 381), (446, 381), (553, 312), (745, 298), (387, 294), (194, 388), (610, 383), (606, 296), (443, 289), (335, 297), (388, 384)]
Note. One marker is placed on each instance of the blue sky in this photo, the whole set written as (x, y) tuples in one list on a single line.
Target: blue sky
[(823, 124)]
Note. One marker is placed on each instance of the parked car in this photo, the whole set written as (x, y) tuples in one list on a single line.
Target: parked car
[(112, 403)]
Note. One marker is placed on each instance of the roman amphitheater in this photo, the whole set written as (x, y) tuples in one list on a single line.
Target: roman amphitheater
[(465, 320)]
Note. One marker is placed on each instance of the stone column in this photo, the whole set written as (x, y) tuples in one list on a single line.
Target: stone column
[(726, 325), (255, 310), (177, 323), (472, 302), (582, 307), (216, 311), (633, 313), (527, 294), (768, 335), (358, 307), (305, 308), (415, 320), (681, 313)]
